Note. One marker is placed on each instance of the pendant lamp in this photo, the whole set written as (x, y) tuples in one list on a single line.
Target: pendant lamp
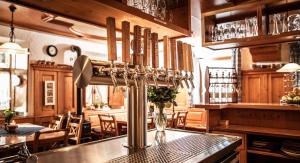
[(11, 47)]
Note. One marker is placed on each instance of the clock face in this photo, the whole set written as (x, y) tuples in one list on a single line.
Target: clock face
[(52, 50)]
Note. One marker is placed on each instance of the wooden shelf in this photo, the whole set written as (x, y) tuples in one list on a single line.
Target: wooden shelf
[(260, 131), (272, 154), (240, 11), (95, 12), (254, 41)]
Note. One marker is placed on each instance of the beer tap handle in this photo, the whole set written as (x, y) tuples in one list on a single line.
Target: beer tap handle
[(126, 42), (137, 58), (112, 48), (167, 59), (146, 47), (111, 38), (154, 40), (126, 49), (180, 64), (184, 63), (190, 67)]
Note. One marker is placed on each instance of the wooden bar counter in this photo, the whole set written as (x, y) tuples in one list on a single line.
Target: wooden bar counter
[(253, 122)]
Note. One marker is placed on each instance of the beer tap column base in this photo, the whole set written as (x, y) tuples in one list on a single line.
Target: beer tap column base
[(137, 117)]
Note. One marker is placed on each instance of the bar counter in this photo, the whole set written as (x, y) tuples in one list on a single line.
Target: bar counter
[(259, 106), (173, 146)]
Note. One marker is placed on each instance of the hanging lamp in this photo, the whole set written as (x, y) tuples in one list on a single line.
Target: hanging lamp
[(11, 47)]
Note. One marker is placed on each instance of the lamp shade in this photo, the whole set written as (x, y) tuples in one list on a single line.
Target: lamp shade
[(13, 48), (290, 67)]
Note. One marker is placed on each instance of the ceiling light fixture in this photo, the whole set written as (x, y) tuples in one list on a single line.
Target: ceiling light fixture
[(11, 47)]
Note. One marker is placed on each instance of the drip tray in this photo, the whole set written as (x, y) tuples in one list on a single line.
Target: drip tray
[(179, 150)]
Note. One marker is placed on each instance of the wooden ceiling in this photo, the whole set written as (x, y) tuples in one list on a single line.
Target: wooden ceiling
[(95, 12), (40, 21)]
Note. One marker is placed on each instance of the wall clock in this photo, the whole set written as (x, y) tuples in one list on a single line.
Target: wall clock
[(51, 50)]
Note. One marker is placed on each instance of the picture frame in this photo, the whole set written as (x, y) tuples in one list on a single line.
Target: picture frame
[(49, 94), (4, 60)]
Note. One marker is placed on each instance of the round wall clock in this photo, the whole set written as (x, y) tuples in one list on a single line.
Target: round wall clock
[(51, 50)]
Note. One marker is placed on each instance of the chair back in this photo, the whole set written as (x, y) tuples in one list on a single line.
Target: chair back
[(171, 121), (57, 122), (75, 127), (181, 119), (51, 139), (94, 119), (108, 125)]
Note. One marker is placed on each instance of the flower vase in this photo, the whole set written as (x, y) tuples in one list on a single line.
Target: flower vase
[(160, 119)]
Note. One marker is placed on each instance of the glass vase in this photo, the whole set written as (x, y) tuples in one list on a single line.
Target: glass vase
[(160, 119)]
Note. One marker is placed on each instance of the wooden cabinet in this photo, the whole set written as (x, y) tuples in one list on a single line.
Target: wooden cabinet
[(64, 91), (262, 86)]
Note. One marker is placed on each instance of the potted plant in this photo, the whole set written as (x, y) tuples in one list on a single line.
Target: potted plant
[(159, 97), (8, 115)]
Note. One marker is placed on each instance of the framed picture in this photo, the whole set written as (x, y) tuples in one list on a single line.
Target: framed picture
[(4, 60), (49, 93)]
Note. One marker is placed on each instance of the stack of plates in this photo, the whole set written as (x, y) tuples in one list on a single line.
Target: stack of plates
[(291, 148), (265, 145)]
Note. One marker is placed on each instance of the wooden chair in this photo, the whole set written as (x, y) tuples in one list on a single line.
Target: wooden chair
[(181, 119), (57, 122), (108, 125), (50, 139), (170, 122), (75, 126), (95, 125)]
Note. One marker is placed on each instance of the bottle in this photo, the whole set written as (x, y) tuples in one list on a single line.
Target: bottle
[(223, 89), (216, 90), (228, 88)]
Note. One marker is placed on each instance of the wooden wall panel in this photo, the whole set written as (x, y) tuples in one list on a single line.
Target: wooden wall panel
[(276, 90), (65, 92), (115, 99)]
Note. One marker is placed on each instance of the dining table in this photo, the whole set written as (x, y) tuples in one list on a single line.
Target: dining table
[(15, 144)]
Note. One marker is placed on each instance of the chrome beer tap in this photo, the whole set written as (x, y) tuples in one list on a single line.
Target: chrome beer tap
[(174, 80), (186, 78), (191, 79), (113, 74), (136, 75), (167, 77), (125, 74), (155, 77)]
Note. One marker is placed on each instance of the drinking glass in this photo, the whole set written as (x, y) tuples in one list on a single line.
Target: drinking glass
[(276, 19), (293, 22), (153, 8), (137, 4), (145, 6), (162, 7)]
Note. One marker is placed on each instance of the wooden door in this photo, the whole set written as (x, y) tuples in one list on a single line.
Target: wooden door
[(255, 88), (275, 87), (66, 93), (40, 109)]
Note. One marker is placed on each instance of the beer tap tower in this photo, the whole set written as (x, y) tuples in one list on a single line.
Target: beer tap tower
[(135, 72)]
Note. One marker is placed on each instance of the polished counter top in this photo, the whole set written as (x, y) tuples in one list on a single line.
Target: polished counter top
[(173, 145), (260, 106)]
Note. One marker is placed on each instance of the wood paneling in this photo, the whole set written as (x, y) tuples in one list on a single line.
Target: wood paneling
[(115, 99), (95, 12), (64, 88), (262, 87)]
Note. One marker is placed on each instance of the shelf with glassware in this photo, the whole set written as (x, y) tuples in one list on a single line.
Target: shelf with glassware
[(257, 25), (221, 85)]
